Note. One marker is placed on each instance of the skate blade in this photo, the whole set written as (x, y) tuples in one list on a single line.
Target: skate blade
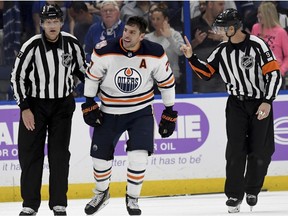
[(101, 207), (233, 209)]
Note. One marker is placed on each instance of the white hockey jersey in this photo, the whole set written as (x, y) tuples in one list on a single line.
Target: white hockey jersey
[(124, 80)]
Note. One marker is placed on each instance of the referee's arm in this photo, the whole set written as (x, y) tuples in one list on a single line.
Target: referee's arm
[(19, 74)]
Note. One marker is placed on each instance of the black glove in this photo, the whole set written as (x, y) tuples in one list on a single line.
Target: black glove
[(168, 122), (91, 113)]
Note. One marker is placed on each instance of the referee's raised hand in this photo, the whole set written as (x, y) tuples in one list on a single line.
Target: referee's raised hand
[(186, 48)]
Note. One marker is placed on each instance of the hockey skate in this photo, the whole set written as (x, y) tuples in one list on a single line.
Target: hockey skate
[(59, 210), (251, 200), (233, 205), (98, 202), (27, 211), (132, 205)]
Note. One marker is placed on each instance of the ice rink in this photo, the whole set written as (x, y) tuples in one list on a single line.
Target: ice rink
[(269, 204)]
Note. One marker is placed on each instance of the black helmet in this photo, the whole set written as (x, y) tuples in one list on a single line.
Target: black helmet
[(51, 12), (229, 17)]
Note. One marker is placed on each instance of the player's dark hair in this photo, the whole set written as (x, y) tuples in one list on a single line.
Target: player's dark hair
[(140, 22)]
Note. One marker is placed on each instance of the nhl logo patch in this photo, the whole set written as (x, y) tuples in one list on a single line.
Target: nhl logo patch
[(66, 59), (247, 62)]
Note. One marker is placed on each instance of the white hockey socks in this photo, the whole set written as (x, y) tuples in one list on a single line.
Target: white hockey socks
[(136, 171), (102, 170)]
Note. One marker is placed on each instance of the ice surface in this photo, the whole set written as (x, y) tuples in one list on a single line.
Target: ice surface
[(269, 204)]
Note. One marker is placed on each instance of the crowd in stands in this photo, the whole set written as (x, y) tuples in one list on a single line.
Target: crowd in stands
[(94, 21)]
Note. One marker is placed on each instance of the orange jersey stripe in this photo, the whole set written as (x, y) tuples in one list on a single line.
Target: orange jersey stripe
[(130, 100), (200, 71), (169, 82)]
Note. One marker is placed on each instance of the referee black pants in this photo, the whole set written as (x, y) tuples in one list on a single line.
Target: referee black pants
[(52, 120), (250, 145)]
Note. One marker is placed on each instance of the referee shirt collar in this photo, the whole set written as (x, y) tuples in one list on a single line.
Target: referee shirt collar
[(57, 44), (240, 46)]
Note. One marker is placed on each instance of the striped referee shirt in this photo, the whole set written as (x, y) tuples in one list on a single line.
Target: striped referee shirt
[(45, 70), (248, 68)]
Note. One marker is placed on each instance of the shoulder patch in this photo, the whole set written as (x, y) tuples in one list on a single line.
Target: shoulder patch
[(101, 44)]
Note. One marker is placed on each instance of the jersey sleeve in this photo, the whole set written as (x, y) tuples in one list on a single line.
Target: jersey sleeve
[(94, 74), (165, 80), (271, 72), (20, 73)]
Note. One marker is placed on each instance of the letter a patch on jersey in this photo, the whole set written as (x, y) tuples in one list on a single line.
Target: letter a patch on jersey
[(143, 64)]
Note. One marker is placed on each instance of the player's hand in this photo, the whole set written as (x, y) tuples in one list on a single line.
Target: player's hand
[(168, 122), (186, 48), (92, 114), (263, 111)]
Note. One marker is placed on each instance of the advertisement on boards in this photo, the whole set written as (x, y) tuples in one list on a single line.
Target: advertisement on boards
[(195, 150)]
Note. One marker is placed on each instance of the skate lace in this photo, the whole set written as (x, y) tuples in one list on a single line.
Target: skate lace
[(59, 208), (28, 210), (96, 199), (133, 203)]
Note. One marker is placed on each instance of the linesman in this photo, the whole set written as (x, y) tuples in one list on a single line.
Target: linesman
[(42, 80), (252, 77)]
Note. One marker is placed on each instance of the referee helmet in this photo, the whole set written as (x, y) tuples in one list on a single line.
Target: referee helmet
[(52, 11), (229, 17)]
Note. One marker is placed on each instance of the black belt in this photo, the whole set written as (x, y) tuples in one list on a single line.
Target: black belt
[(243, 98)]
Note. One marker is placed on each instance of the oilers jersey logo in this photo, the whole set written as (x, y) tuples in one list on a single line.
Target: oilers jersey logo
[(127, 80)]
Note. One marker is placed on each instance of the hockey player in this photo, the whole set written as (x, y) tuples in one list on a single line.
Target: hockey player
[(122, 72), (252, 77)]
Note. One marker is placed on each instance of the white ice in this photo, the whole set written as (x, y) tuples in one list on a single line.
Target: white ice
[(269, 204)]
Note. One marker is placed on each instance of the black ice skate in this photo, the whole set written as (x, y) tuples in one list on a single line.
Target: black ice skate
[(132, 205), (59, 210), (98, 202), (233, 205), (251, 200), (27, 211)]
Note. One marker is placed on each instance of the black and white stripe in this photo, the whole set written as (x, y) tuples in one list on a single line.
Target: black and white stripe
[(41, 72), (260, 79)]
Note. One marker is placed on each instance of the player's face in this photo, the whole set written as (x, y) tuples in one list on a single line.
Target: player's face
[(52, 28), (132, 37)]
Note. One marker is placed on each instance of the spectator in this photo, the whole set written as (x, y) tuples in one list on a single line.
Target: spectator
[(83, 19), (269, 29), (135, 8), (248, 12), (204, 40), (110, 27), (11, 31), (1, 32), (282, 13), (166, 36), (198, 7), (28, 28)]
